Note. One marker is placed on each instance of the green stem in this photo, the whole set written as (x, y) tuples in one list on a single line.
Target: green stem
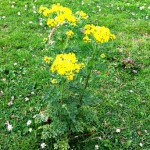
[(62, 92), (66, 43), (89, 74)]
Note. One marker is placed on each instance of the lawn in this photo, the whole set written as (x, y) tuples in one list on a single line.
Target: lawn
[(119, 84)]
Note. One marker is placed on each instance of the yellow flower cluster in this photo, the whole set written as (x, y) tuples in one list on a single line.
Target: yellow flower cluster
[(101, 34), (61, 15), (87, 39), (47, 59), (66, 64), (54, 81), (82, 14), (70, 33), (103, 55)]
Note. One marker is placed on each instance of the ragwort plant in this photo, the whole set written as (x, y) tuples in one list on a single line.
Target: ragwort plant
[(68, 112)]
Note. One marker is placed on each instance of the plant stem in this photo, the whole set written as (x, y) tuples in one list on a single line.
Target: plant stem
[(51, 35), (89, 74), (62, 91), (66, 44)]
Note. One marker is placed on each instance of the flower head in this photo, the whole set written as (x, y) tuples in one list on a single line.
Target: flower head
[(54, 81), (66, 65), (51, 22), (29, 122), (87, 39), (9, 126), (82, 14), (30, 129), (118, 130), (62, 15), (100, 34), (43, 145), (103, 55), (47, 59), (70, 33)]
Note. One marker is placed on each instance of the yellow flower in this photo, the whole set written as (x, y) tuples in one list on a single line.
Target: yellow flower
[(87, 39), (45, 39), (101, 34), (103, 55), (62, 15), (46, 12), (66, 65), (41, 9), (71, 19), (112, 36), (51, 22), (82, 14), (89, 29), (47, 59), (70, 33), (54, 81), (60, 19)]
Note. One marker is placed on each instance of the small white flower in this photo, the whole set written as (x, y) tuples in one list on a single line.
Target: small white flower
[(12, 6), (23, 22), (41, 24), (15, 64), (96, 147), (10, 103), (111, 5), (133, 14), (32, 93), (29, 122), (141, 144), (34, 7), (4, 79), (120, 105), (30, 129), (82, 3), (146, 17), (30, 22), (19, 13), (118, 130), (142, 7), (99, 9), (148, 7), (3, 17), (12, 98), (131, 91), (25, 6), (43, 117), (34, 116), (145, 131), (1, 92), (34, 11), (9, 126), (134, 71), (26, 99), (43, 145)]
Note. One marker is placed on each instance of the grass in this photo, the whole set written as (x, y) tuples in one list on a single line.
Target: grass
[(123, 88)]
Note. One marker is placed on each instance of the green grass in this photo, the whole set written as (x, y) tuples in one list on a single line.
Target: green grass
[(124, 95)]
